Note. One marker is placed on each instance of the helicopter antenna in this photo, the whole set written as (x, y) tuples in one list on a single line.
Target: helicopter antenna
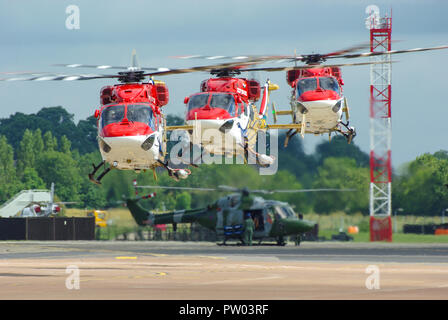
[(134, 63)]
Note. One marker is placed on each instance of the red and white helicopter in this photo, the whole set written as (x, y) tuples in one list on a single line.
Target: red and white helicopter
[(223, 115), (131, 126), (318, 104)]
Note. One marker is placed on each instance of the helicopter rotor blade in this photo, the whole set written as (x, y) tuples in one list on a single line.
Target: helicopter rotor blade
[(60, 77), (313, 66), (227, 65), (309, 190), (176, 188), (228, 188), (347, 50), (369, 54), (105, 67), (311, 58)]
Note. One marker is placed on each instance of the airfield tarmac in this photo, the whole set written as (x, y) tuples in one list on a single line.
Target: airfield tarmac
[(199, 270)]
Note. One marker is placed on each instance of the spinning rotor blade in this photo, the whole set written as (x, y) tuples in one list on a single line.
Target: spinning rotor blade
[(307, 190), (228, 65), (134, 66), (104, 67), (369, 54), (350, 49), (272, 69), (176, 188), (60, 77), (312, 59), (233, 189), (280, 58)]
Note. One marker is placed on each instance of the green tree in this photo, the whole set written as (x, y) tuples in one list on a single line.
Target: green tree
[(31, 179), (9, 184), (421, 189), (64, 145), (342, 173), (60, 168), (337, 148), (183, 201), (50, 142), (38, 142), (26, 155)]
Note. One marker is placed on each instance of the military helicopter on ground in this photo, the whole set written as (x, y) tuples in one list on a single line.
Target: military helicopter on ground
[(272, 219), (131, 125), (317, 101)]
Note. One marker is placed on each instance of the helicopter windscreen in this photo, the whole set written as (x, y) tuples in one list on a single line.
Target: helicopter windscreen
[(112, 114), (222, 101), (134, 113), (284, 212), (305, 85), (140, 113), (197, 101), (328, 83)]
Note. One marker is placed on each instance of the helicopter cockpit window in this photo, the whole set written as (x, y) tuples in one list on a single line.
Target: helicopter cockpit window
[(197, 101), (140, 113), (280, 212), (328, 83), (112, 114), (289, 212), (223, 101), (305, 85)]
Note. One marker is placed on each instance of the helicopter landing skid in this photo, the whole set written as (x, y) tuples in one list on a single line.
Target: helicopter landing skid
[(291, 133), (176, 174), (95, 169), (349, 134), (262, 160)]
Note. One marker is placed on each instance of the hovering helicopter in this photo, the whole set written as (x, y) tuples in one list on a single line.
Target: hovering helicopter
[(272, 219), (131, 126), (224, 116), (317, 102)]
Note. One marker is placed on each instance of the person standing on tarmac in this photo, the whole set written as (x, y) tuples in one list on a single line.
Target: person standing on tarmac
[(249, 227)]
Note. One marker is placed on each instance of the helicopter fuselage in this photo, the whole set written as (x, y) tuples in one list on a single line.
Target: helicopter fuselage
[(272, 219), (223, 115), (317, 100), (130, 127)]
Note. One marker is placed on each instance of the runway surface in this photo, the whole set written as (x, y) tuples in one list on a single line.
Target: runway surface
[(192, 270)]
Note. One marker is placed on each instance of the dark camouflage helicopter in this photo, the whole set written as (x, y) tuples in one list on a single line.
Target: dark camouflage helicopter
[(272, 219)]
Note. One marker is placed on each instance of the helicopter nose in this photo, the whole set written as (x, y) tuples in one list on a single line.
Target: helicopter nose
[(298, 226)]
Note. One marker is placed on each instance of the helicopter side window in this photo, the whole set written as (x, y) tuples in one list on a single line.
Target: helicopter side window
[(305, 85), (140, 113), (223, 101), (112, 114), (328, 83), (280, 212), (197, 101), (288, 212)]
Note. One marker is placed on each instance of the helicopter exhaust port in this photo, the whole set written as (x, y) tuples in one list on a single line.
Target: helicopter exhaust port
[(337, 107), (302, 108), (106, 148), (148, 143), (228, 125)]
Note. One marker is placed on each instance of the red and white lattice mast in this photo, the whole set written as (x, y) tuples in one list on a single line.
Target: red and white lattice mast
[(380, 127)]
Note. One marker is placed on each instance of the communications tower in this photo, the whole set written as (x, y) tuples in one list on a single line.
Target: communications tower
[(380, 128)]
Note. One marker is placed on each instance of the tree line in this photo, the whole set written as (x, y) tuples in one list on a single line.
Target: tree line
[(38, 149)]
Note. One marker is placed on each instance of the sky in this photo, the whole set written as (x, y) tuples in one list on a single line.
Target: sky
[(34, 36)]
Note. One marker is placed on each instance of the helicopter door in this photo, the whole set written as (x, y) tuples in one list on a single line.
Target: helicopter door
[(257, 216)]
